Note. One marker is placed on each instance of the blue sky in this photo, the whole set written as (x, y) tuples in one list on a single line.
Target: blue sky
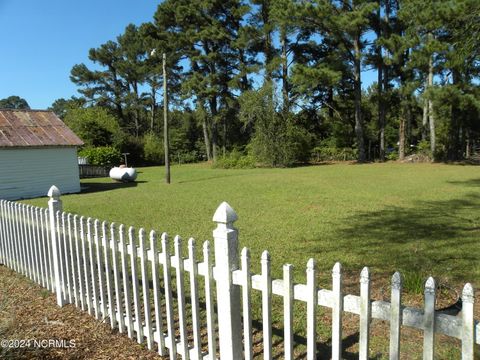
[(42, 40)]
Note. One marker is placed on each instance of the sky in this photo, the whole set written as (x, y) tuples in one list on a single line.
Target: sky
[(42, 40)]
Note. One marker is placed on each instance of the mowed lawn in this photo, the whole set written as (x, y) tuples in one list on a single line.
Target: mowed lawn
[(417, 218)]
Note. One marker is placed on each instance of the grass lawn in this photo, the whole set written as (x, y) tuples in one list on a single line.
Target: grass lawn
[(420, 219), (417, 218)]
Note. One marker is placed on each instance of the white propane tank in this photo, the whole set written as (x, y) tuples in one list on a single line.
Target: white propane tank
[(123, 174)]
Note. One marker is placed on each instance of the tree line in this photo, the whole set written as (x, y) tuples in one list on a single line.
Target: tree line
[(280, 82)]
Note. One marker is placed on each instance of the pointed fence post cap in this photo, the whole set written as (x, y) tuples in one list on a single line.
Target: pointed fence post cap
[(54, 192), (225, 214)]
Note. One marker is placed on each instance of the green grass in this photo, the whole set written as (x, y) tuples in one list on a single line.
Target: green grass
[(417, 217)]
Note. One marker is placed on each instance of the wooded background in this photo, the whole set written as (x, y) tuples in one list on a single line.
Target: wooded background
[(280, 82)]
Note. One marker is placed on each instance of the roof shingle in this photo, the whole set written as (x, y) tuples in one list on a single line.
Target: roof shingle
[(24, 128)]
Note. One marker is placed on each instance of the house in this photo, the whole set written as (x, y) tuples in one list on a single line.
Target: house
[(37, 150)]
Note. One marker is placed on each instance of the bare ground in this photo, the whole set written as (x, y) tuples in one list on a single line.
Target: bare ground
[(28, 311)]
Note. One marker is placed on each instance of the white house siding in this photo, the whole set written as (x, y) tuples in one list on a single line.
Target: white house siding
[(29, 172)]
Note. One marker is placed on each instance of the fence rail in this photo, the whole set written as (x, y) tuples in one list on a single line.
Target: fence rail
[(89, 171), (152, 293)]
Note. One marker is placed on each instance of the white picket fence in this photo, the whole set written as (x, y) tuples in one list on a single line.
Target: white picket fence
[(118, 274)]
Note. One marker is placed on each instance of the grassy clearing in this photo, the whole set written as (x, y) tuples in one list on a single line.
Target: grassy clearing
[(418, 217)]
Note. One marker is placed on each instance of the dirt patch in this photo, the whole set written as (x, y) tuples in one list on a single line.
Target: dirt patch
[(30, 312)]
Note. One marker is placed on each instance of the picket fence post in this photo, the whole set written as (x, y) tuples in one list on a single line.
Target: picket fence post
[(228, 295), (55, 205)]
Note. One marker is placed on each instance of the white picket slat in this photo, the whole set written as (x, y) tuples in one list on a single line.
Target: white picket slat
[(247, 304), (108, 276), (337, 311), (135, 284), (93, 269), (79, 259), (182, 321), (23, 239), (31, 244), (468, 323), (288, 310), (266, 306), (35, 244), (62, 253), (429, 320), (4, 233), (395, 316), (365, 315), (312, 311), (86, 265), (48, 235), (159, 337), (168, 297), (126, 282), (39, 246), (71, 264), (209, 300), (116, 278), (102, 303), (18, 239), (197, 346), (146, 289)]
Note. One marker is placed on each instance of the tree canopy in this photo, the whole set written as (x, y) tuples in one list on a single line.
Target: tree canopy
[(286, 77), (14, 102)]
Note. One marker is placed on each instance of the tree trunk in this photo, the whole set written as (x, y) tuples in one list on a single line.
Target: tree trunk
[(380, 90), (153, 108), (213, 109), (425, 119), (331, 112), (430, 109), (206, 137), (267, 43), (286, 100), (165, 122), (401, 137), (381, 108), (358, 100), (224, 147), (467, 146)]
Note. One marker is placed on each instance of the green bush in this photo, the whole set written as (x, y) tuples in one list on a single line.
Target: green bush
[(185, 157), (102, 155), (235, 160), (423, 148), (392, 156), (277, 140), (153, 149), (332, 153)]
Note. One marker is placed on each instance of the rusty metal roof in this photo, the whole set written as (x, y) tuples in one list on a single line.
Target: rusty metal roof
[(25, 128)]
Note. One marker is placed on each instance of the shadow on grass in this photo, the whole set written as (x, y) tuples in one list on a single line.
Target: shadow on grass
[(93, 187), (437, 238), (232, 174), (468, 183)]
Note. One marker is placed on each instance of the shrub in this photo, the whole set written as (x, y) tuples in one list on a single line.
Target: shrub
[(332, 153), (392, 156), (235, 160), (153, 149), (423, 148), (277, 140), (186, 157), (102, 155)]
